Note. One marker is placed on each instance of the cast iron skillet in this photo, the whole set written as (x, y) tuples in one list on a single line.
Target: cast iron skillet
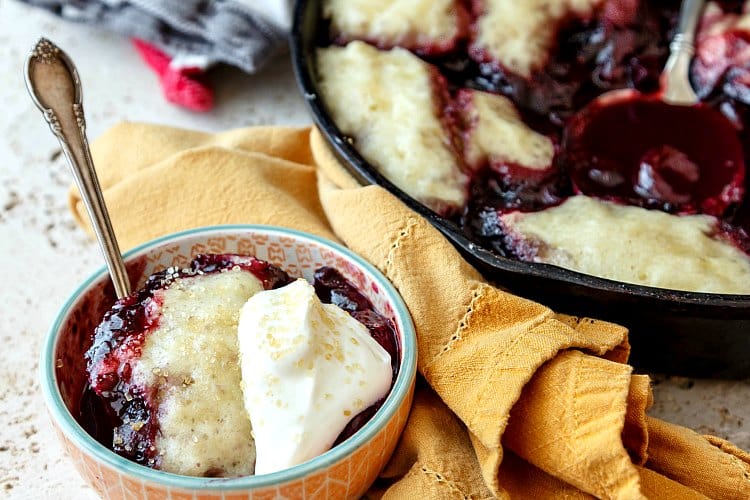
[(686, 333)]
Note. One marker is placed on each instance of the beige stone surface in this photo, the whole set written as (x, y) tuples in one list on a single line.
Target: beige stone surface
[(44, 256)]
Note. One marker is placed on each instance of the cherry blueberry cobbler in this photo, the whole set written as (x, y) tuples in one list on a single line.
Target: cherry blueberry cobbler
[(477, 109), (186, 372)]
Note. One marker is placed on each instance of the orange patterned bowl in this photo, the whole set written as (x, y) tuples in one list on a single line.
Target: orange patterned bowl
[(345, 471)]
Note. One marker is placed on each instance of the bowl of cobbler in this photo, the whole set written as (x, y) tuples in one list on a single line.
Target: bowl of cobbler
[(248, 362), (471, 112)]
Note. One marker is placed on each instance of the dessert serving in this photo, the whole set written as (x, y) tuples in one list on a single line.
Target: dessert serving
[(496, 127), (230, 367)]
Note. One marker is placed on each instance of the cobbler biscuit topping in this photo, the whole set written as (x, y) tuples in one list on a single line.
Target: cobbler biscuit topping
[(425, 26), (199, 315), (496, 135), (390, 103), (680, 253), (517, 35)]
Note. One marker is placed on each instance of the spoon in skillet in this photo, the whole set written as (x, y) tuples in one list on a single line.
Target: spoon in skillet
[(663, 150), (53, 83)]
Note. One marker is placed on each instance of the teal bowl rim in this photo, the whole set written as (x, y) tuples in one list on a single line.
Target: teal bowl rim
[(401, 388)]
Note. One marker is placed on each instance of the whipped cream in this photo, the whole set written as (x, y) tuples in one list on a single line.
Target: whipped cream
[(307, 368)]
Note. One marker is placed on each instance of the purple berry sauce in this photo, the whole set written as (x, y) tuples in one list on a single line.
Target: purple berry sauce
[(643, 151)]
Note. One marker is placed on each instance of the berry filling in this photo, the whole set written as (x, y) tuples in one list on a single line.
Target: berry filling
[(645, 152), (123, 413)]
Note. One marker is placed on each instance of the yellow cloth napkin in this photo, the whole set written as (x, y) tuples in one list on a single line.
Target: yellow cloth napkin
[(516, 401)]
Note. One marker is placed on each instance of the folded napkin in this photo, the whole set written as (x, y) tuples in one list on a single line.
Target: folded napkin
[(513, 400)]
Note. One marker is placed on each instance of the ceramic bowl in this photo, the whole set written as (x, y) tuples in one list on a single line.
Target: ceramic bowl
[(345, 471)]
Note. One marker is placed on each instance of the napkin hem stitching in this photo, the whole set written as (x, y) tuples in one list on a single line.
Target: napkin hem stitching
[(463, 323), (403, 234), (441, 479)]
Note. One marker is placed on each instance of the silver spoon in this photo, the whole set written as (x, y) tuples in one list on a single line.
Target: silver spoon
[(664, 149), (675, 77), (675, 87), (54, 85)]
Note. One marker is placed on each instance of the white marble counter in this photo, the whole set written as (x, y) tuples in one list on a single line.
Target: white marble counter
[(43, 255)]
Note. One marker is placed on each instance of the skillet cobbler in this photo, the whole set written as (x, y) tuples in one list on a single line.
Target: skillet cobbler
[(465, 106)]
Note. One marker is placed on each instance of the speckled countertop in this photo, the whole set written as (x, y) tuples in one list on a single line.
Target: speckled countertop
[(44, 256)]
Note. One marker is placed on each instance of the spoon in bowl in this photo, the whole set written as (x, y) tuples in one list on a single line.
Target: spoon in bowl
[(53, 83), (664, 150)]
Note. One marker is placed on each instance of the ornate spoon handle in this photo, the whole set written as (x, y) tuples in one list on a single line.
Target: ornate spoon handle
[(54, 85), (676, 74)]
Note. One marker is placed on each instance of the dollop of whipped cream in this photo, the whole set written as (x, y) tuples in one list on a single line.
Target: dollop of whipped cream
[(307, 368)]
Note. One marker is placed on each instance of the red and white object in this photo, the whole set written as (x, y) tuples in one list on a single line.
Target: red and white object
[(182, 79)]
